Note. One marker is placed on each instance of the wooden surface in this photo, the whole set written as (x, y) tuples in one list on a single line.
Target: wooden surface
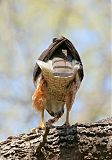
[(78, 142)]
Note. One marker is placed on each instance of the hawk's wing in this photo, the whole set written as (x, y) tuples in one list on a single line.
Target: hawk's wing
[(52, 51)]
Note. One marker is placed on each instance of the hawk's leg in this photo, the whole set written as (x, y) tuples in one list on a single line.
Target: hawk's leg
[(72, 89), (42, 123), (67, 117), (69, 102), (39, 100)]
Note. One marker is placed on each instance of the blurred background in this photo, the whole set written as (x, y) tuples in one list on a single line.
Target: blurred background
[(26, 29)]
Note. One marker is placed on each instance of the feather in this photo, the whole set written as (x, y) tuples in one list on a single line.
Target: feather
[(53, 50), (57, 77)]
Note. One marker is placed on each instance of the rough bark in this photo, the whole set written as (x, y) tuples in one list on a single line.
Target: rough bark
[(78, 142)]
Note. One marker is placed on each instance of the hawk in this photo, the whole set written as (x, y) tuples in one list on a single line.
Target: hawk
[(57, 76)]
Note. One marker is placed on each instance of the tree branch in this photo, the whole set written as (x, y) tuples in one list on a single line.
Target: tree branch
[(77, 142)]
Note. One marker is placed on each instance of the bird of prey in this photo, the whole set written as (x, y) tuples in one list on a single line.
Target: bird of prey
[(57, 76)]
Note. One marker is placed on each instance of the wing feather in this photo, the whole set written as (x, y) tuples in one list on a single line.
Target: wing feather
[(58, 43)]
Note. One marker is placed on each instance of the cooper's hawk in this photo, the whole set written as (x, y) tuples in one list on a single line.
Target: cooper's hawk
[(57, 76)]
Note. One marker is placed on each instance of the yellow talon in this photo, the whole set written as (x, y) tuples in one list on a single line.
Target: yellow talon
[(42, 125)]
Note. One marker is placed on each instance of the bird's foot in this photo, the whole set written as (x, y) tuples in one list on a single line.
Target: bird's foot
[(67, 124), (35, 130), (42, 125)]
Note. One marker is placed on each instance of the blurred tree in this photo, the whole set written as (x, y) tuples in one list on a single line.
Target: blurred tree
[(26, 29)]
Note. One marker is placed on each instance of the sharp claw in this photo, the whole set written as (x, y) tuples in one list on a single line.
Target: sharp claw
[(42, 125)]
